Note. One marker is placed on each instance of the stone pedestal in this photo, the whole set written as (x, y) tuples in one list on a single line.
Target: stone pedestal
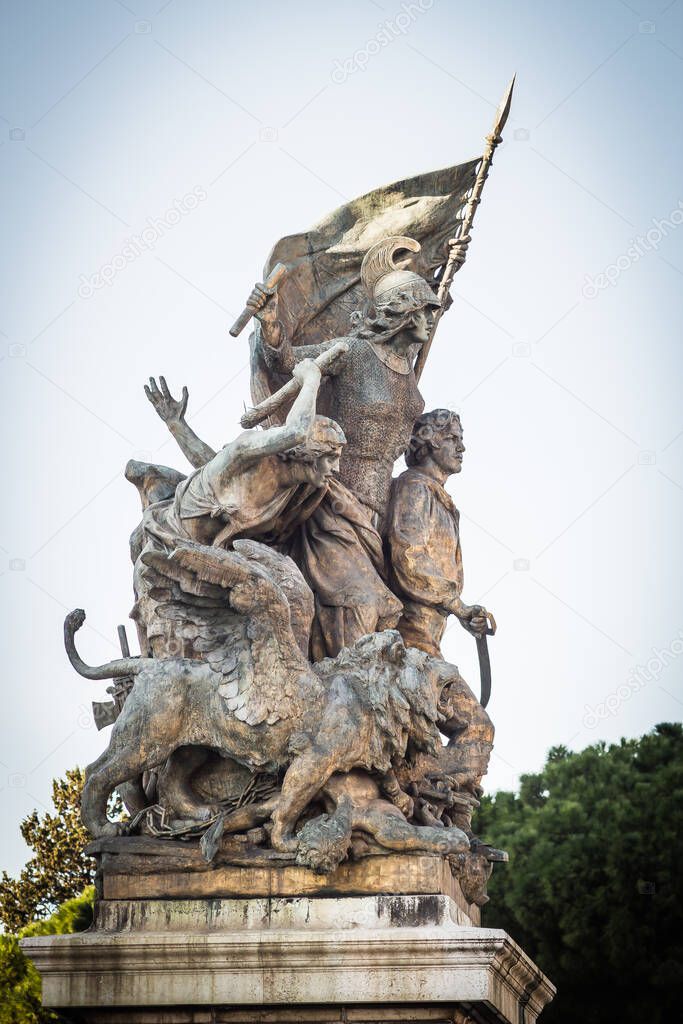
[(273, 959), (158, 870)]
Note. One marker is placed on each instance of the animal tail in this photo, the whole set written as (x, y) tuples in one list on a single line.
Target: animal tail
[(112, 669)]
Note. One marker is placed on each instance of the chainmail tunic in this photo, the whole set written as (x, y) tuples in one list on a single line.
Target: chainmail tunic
[(375, 406)]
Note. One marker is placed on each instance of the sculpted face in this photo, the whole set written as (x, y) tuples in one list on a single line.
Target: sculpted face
[(329, 463), (448, 456), (319, 472), (422, 324)]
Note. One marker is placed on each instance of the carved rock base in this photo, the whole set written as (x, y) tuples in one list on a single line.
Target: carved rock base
[(299, 960), (153, 869)]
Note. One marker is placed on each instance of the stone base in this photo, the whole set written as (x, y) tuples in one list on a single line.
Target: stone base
[(412, 1013), (274, 960), (159, 870)]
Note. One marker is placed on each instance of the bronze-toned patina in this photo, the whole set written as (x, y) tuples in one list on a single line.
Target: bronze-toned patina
[(291, 704), (423, 538)]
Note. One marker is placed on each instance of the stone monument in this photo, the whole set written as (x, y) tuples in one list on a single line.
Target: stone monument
[(298, 761)]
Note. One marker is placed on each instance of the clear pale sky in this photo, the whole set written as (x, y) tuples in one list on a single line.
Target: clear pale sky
[(562, 350)]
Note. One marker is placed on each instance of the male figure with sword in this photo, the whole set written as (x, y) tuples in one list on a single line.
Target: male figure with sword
[(423, 535)]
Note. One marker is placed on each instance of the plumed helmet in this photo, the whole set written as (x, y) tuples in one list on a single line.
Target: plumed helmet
[(385, 283)]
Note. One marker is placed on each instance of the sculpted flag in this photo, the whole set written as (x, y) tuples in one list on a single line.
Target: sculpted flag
[(322, 288)]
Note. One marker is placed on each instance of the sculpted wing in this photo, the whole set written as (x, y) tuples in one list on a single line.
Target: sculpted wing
[(263, 613)]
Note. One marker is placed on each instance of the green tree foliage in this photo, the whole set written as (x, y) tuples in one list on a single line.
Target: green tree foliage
[(73, 916), (19, 986), (19, 980), (53, 895), (593, 891), (58, 869)]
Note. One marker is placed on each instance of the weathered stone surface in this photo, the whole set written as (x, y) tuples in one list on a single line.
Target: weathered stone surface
[(381, 951), (393, 874), (277, 913), (277, 739), (398, 1014), (272, 699), (261, 560)]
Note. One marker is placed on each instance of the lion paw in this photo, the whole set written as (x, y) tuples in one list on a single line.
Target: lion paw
[(282, 840), (108, 830), (451, 840)]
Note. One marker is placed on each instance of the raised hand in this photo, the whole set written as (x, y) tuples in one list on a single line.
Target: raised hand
[(263, 304), (170, 409), (307, 370)]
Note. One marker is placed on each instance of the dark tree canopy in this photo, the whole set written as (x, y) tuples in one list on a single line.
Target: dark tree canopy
[(593, 888)]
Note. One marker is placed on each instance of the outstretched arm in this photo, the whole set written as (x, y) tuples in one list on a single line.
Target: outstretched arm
[(253, 445), (172, 412)]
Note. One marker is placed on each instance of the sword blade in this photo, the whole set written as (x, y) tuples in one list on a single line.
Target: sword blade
[(484, 670)]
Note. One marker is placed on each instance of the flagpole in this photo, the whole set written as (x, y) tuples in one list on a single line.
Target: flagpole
[(453, 264)]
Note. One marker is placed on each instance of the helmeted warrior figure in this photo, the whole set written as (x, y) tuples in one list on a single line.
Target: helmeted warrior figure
[(374, 394)]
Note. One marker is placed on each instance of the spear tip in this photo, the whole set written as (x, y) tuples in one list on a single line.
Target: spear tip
[(504, 107)]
